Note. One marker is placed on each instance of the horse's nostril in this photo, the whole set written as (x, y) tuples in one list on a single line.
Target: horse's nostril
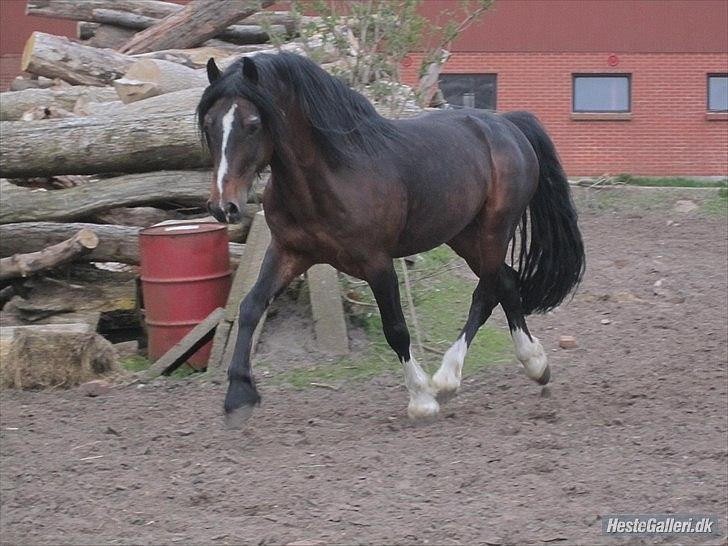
[(231, 209)]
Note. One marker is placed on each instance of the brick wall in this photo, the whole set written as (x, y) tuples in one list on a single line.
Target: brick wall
[(669, 132)]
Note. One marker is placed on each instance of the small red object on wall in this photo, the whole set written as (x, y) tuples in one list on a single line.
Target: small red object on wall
[(406, 61), (613, 60)]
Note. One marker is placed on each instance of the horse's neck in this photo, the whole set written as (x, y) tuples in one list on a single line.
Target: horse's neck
[(297, 166)]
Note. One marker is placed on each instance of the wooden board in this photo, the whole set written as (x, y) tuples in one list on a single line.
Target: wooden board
[(327, 310), (187, 346), (255, 246)]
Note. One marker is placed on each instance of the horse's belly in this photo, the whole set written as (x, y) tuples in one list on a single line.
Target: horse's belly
[(427, 231)]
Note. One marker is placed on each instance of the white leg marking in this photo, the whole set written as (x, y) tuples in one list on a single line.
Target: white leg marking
[(446, 380), (530, 353), (422, 403), (227, 127)]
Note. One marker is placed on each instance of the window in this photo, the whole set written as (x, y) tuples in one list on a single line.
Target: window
[(718, 92), (601, 93), (470, 90)]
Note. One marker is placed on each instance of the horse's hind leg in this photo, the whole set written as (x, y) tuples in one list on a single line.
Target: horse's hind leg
[(384, 284), (481, 258), (528, 348)]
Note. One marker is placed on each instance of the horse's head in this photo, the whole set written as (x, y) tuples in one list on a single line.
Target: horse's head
[(238, 144)]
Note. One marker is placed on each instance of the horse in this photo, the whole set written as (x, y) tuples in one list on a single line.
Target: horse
[(355, 190)]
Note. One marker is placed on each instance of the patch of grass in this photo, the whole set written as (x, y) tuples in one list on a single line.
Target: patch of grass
[(442, 300), (669, 182), (718, 205), (138, 363), (614, 200)]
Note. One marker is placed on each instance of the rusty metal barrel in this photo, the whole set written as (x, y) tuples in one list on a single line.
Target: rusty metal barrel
[(185, 274)]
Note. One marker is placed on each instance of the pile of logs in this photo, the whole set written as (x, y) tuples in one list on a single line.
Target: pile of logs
[(99, 136)]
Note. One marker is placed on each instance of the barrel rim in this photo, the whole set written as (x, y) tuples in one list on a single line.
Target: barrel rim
[(181, 229)]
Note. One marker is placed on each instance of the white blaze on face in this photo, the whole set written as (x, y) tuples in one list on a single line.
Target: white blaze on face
[(227, 127)]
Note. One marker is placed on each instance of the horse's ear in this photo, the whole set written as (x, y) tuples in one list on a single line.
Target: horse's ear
[(213, 72), (250, 71)]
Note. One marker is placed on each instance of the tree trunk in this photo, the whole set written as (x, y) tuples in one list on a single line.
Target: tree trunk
[(84, 9), (151, 77), (197, 57), (116, 143), (284, 18), (22, 265), (198, 21), (57, 57), (141, 14), (98, 35), (53, 355), (184, 187), (14, 104), (116, 243), (250, 34), (135, 216)]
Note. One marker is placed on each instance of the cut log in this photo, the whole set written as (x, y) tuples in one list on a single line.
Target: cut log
[(91, 145), (98, 35), (28, 81), (198, 21), (184, 187), (135, 216), (116, 243), (250, 34), (197, 57), (14, 104), (23, 265), (84, 9), (57, 57), (150, 77), (141, 14), (58, 355), (286, 19)]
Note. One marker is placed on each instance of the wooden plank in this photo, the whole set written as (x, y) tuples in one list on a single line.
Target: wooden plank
[(219, 341), (327, 310), (230, 347), (188, 345), (245, 276), (255, 246)]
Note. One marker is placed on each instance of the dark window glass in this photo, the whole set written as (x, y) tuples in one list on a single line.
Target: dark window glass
[(470, 90), (718, 92), (601, 93)]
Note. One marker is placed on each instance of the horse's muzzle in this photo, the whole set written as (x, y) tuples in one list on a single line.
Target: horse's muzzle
[(229, 215)]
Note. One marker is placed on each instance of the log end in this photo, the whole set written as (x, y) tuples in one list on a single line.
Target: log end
[(27, 52), (88, 239)]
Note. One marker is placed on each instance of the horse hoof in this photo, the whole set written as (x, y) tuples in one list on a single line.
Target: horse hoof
[(445, 384), (445, 395), (236, 418), (424, 409), (545, 376)]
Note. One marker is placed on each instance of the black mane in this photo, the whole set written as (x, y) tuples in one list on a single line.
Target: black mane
[(344, 123)]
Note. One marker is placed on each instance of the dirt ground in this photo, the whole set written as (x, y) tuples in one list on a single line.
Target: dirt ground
[(635, 421)]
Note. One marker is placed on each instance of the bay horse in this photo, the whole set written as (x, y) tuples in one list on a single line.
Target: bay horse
[(354, 190)]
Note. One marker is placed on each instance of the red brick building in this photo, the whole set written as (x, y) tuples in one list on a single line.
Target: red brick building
[(623, 86)]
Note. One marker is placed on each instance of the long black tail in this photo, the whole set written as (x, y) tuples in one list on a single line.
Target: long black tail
[(551, 263)]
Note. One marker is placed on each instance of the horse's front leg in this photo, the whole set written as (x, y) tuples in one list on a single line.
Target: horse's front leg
[(278, 269), (385, 286)]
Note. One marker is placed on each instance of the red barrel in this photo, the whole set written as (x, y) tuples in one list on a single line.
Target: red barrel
[(185, 272)]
